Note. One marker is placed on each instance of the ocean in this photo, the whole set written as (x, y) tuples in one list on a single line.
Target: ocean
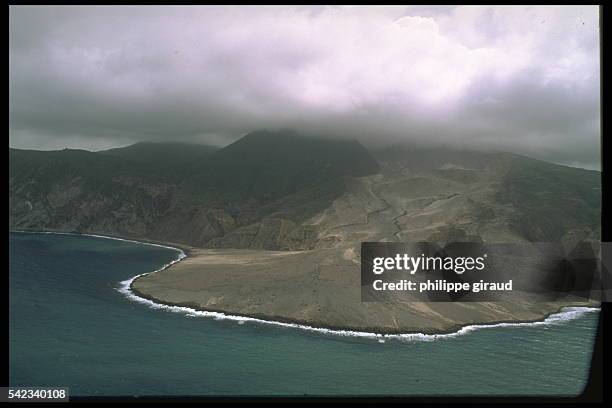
[(72, 325)]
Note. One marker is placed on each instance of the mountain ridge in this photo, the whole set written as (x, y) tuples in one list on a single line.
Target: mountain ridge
[(186, 201), (277, 189)]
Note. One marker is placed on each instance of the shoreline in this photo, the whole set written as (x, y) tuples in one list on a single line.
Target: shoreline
[(185, 249), (563, 313)]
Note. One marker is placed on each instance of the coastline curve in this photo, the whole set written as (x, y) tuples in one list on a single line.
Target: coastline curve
[(564, 314)]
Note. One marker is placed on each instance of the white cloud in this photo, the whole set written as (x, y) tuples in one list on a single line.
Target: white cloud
[(414, 73)]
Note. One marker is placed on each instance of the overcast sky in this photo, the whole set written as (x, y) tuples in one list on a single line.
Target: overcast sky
[(510, 78)]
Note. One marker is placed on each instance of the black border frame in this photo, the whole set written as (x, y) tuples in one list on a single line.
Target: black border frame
[(594, 391)]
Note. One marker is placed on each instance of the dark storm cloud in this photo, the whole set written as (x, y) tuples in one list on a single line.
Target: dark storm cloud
[(509, 78)]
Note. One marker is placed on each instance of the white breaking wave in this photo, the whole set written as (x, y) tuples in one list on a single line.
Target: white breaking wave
[(566, 313)]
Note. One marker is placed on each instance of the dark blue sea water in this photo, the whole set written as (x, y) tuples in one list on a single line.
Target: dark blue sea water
[(69, 326)]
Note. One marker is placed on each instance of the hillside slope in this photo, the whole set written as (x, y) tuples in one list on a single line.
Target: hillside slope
[(315, 200), (433, 195), (266, 182)]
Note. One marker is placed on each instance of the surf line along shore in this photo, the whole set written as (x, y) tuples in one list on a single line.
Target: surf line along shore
[(564, 313), (560, 313)]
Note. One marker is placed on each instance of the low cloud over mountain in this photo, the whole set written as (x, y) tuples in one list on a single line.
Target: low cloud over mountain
[(515, 79)]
